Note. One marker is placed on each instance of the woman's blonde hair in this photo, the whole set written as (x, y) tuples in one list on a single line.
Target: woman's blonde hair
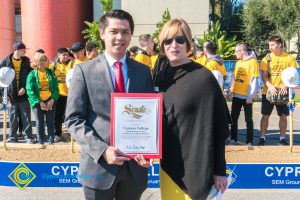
[(39, 56), (171, 28)]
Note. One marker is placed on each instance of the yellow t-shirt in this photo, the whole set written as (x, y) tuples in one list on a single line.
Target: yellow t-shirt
[(192, 57), (243, 72), (17, 68), (61, 72), (145, 59), (45, 92), (78, 62), (201, 60), (277, 65), (214, 65)]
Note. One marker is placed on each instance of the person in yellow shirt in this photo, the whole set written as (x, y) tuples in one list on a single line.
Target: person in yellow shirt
[(42, 91), (244, 85), (190, 54), (272, 66), (79, 54), (61, 67), (214, 61), (16, 92), (92, 50), (146, 45)]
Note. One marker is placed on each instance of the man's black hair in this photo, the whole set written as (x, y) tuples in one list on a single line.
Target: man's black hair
[(89, 46), (119, 14), (40, 51), (63, 50)]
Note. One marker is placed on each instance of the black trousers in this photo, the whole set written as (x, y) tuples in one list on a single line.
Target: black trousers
[(60, 114), (123, 188), (236, 107)]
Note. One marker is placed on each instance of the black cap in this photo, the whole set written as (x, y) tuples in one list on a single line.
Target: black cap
[(77, 47), (19, 46)]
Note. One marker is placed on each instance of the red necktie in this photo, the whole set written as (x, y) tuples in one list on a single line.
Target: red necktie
[(119, 77)]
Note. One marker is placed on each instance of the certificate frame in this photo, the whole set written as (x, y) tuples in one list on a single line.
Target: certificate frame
[(115, 123)]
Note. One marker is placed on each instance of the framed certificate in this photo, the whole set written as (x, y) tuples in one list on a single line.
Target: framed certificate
[(136, 123)]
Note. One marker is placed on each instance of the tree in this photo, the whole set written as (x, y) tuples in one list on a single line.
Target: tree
[(91, 33), (257, 27), (228, 12), (285, 18), (225, 46), (165, 18), (271, 17)]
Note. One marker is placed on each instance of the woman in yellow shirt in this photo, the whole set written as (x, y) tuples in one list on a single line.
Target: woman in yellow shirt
[(42, 91)]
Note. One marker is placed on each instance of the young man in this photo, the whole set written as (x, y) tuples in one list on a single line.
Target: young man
[(61, 67), (92, 50), (244, 84), (272, 66), (213, 60), (79, 53), (146, 47), (17, 92), (112, 174)]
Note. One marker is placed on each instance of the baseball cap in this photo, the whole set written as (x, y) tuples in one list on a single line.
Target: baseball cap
[(77, 47), (19, 46)]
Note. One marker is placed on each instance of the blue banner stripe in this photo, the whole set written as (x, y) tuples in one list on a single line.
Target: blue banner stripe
[(244, 176)]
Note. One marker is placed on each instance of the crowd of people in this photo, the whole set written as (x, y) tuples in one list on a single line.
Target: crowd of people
[(196, 118), (41, 86)]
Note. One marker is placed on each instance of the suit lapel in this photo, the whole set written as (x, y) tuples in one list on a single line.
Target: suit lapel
[(103, 70), (131, 75)]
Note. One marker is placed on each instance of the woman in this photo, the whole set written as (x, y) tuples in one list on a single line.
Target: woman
[(42, 91), (195, 122)]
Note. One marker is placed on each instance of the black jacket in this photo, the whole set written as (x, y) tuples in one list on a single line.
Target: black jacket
[(12, 90)]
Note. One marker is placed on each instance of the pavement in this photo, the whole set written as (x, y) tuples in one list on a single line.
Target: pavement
[(272, 138)]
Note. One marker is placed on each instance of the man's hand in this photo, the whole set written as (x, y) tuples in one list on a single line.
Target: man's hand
[(143, 162), (43, 106), (249, 101), (273, 89), (114, 156), (220, 183), (21, 92), (283, 90)]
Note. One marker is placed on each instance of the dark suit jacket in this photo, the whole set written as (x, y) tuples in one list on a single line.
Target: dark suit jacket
[(88, 119)]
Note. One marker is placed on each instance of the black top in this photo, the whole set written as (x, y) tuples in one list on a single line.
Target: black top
[(25, 69), (195, 127)]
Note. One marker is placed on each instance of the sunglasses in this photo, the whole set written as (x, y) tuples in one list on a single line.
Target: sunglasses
[(178, 39)]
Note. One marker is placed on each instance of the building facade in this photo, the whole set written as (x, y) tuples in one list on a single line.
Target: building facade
[(50, 24)]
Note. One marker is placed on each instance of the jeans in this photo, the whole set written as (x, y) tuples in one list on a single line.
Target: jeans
[(236, 106), (39, 115), (22, 109)]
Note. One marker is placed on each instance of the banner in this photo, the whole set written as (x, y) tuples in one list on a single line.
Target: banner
[(244, 176)]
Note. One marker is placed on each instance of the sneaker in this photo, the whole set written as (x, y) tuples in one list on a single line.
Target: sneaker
[(57, 138), (11, 140), (283, 142), (41, 142), (262, 142), (249, 144), (20, 136), (51, 140), (29, 141)]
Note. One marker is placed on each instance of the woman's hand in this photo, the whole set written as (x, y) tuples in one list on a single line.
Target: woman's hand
[(43, 105), (143, 162), (50, 104)]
